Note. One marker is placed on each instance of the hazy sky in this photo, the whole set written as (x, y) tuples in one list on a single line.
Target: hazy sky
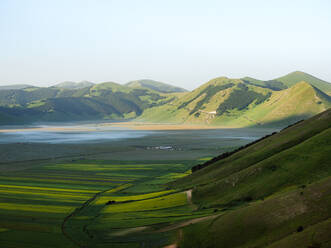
[(183, 42)]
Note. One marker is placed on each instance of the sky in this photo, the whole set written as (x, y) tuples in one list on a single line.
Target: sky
[(181, 42)]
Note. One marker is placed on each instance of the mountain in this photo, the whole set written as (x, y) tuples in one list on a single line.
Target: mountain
[(101, 101), (284, 107), (298, 76), (74, 85), (155, 85), (289, 80), (222, 102), (236, 103), (15, 87), (274, 192)]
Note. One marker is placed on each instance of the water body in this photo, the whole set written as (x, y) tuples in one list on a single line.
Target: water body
[(69, 137), (114, 143), (96, 134)]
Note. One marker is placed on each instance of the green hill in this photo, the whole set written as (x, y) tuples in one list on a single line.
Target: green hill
[(298, 76), (236, 103), (155, 85), (273, 193), (101, 101), (289, 80), (221, 101), (208, 102), (284, 107)]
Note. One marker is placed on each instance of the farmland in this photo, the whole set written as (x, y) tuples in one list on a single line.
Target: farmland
[(60, 196), (57, 195), (36, 201)]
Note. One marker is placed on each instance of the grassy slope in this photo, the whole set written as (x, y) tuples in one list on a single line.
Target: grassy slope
[(195, 107), (298, 76), (273, 187), (274, 222), (282, 106)]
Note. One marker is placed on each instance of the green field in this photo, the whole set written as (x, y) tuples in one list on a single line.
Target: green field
[(64, 204)]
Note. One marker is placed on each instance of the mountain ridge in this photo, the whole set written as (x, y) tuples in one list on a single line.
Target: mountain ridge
[(155, 85), (221, 101)]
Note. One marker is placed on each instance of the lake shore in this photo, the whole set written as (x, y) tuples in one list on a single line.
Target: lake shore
[(162, 126), (125, 125)]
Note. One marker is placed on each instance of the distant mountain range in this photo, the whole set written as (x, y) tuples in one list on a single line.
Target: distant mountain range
[(221, 101), (100, 101), (155, 85)]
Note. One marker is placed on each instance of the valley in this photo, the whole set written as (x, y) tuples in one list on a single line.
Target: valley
[(165, 124), (142, 166), (58, 194)]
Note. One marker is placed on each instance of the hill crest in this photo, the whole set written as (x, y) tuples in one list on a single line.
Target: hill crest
[(155, 85)]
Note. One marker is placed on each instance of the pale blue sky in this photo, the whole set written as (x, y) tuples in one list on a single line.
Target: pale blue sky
[(183, 42)]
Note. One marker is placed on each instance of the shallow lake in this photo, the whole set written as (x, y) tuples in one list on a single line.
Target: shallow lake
[(94, 134), (114, 143)]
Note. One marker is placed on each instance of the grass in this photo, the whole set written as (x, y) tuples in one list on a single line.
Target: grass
[(269, 192), (35, 201), (266, 223), (104, 198), (173, 200)]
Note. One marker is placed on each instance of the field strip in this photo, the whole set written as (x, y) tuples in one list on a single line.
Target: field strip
[(35, 208), (188, 194), (48, 189)]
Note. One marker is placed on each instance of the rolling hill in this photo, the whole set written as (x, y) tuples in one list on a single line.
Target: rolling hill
[(221, 102), (101, 101), (236, 103), (272, 193), (155, 85), (298, 76), (289, 80)]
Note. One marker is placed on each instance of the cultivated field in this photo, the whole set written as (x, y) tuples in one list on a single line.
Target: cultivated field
[(93, 202)]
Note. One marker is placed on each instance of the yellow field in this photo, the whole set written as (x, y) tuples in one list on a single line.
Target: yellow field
[(173, 200)]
